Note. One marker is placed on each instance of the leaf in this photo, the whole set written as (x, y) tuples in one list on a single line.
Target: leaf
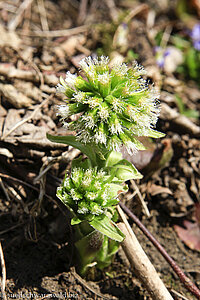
[(80, 163), (116, 189), (107, 227), (87, 149), (190, 236), (113, 158), (126, 171)]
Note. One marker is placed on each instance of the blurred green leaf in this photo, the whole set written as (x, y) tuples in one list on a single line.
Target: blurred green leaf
[(107, 227)]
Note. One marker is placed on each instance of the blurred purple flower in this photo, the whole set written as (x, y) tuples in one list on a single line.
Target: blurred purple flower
[(195, 35), (160, 55)]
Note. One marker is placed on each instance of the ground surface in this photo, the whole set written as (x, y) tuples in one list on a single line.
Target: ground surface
[(35, 233)]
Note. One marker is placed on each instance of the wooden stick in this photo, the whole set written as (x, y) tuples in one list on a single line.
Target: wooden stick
[(3, 271), (141, 263)]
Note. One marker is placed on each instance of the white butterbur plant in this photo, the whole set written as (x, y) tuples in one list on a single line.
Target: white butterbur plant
[(111, 108)]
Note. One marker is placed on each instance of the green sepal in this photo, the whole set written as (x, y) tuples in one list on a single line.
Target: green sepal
[(58, 194), (107, 227), (137, 143), (68, 91)]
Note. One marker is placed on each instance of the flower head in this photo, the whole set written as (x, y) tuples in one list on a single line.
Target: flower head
[(88, 193), (114, 105)]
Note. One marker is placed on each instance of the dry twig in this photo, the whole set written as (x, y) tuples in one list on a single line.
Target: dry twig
[(4, 189), (43, 15), (17, 19), (56, 33), (112, 9), (137, 191), (82, 11), (11, 72)]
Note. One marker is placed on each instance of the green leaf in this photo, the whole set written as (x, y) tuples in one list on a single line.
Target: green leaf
[(191, 113), (71, 140), (113, 158), (80, 163), (107, 227), (155, 134), (126, 171)]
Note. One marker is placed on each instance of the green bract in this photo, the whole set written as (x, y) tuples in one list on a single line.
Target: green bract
[(115, 106)]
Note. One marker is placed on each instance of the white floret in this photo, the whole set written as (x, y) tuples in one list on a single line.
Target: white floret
[(60, 88), (70, 79), (63, 111), (103, 113), (104, 78), (100, 137)]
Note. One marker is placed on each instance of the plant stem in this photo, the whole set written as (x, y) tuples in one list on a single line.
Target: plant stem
[(183, 278)]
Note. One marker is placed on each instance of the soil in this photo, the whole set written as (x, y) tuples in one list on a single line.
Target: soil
[(35, 231)]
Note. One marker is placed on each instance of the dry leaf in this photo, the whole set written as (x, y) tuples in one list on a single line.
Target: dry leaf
[(191, 234)]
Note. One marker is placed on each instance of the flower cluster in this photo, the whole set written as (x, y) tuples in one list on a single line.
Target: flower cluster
[(113, 106), (88, 193)]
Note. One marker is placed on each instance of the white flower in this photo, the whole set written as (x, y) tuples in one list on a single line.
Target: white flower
[(100, 137), (114, 105), (104, 78), (63, 111), (60, 88), (103, 113), (70, 79)]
